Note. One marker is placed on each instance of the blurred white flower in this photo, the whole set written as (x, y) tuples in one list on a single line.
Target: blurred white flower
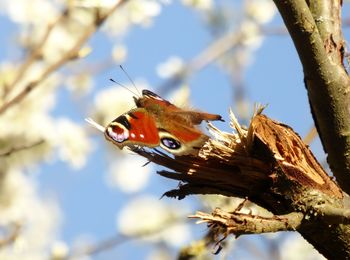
[(160, 254), (59, 42), (128, 175), (80, 17), (31, 111), (170, 67), (142, 11), (34, 11), (117, 24), (199, 4), (38, 218), (72, 142), (133, 12), (177, 235), (295, 247), (252, 37), (147, 215), (119, 53), (80, 84), (80, 244), (95, 3), (114, 101), (59, 250), (262, 11), (181, 97)]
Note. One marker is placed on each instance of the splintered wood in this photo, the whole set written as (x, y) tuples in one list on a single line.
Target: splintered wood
[(292, 155)]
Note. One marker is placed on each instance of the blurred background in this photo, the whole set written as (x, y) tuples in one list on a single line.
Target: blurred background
[(65, 193)]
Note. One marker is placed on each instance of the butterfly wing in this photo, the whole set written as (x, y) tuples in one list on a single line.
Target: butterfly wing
[(195, 117), (180, 139), (137, 127)]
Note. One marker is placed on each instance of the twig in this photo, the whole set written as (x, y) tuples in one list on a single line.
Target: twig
[(70, 54), (36, 53), (212, 53), (21, 148), (240, 223), (311, 135), (118, 239), (11, 237)]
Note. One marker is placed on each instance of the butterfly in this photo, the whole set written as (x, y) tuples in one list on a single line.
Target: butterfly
[(157, 122)]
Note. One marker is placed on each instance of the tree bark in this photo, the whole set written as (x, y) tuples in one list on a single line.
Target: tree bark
[(315, 28)]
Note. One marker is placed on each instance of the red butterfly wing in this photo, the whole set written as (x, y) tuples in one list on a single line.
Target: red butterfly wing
[(179, 139), (137, 127)]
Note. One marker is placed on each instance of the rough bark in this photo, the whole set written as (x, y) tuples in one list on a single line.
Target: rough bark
[(315, 28)]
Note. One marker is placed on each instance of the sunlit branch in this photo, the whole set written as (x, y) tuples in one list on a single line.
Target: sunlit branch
[(21, 148), (11, 236), (35, 53), (240, 223), (211, 54), (69, 55), (310, 136), (119, 239)]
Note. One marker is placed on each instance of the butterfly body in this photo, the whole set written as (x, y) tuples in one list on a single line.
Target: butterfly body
[(157, 122)]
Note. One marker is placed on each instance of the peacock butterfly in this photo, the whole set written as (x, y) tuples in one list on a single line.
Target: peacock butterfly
[(157, 122)]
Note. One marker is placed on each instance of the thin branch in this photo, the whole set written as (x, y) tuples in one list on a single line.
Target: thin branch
[(118, 239), (11, 237), (35, 53), (237, 223), (21, 148), (310, 136), (333, 215), (214, 51), (70, 54)]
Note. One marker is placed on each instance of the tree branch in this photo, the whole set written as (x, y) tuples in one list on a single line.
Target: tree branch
[(327, 82), (237, 223), (70, 54), (21, 148)]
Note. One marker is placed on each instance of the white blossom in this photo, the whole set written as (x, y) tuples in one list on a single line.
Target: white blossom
[(128, 175), (172, 66), (38, 218), (148, 215), (119, 53), (262, 11), (112, 102), (95, 3), (80, 83), (141, 12), (251, 37), (159, 254), (72, 142), (59, 250), (26, 12), (181, 97), (199, 4)]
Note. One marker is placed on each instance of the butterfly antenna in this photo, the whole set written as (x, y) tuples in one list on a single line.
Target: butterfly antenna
[(132, 82), (125, 87), (95, 125)]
